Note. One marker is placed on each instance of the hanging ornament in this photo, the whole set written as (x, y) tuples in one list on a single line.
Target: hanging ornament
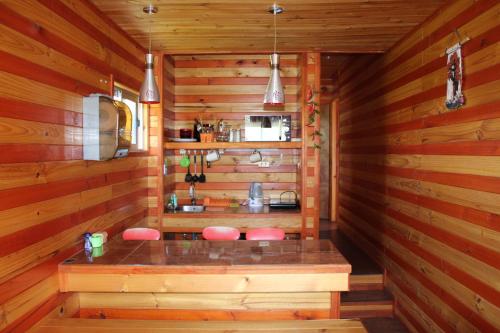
[(454, 96)]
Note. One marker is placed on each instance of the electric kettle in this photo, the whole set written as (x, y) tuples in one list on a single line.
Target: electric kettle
[(255, 195)]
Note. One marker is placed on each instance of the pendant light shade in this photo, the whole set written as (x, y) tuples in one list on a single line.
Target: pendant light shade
[(274, 95), (274, 92), (149, 93)]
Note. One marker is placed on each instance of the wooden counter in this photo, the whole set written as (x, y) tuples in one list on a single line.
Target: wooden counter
[(242, 218), (241, 211), (293, 279)]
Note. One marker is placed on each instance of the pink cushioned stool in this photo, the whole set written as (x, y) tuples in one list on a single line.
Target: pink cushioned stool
[(221, 233), (266, 234), (141, 234)]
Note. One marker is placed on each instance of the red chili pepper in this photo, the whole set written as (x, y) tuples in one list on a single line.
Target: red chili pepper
[(309, 95)]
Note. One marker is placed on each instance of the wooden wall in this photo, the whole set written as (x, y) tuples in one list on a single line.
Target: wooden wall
[(310, 167), (168, 120), (51, 54), (420, 184), (212, 87)]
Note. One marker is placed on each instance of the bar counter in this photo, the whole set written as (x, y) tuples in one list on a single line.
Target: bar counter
[(289, 275)]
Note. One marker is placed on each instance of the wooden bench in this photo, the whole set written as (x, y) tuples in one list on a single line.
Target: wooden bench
[(73, 325)]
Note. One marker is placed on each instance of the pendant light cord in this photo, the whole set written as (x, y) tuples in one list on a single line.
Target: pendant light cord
[(150, 32), (275, 34)]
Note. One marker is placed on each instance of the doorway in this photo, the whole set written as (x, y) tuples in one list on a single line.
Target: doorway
[(328, 166)]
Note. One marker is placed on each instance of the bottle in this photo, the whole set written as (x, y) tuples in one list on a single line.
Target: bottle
[(86, 239), (173, 199)]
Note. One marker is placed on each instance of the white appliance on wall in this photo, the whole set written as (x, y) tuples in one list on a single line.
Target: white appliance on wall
[(107, 128)]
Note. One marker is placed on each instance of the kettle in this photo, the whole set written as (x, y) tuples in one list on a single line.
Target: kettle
[(255, 195)]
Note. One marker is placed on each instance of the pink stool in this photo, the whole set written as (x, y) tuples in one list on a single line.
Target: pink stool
[(266, 234), (221, 233), (141, 234)]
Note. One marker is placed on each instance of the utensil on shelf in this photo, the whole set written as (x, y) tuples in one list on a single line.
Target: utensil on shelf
[(184, 161), (188, 177), (195, 176), (202, 177)]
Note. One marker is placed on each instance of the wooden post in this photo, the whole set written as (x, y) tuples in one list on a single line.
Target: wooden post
[(335, 305)]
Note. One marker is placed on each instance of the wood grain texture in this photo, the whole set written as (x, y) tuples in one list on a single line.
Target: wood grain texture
[(204, 315), (52, 53), (132, 326), (324, 26), (419, 184), (232, 301), (210, 283)]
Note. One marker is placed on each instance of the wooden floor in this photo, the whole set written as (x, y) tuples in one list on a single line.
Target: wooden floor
[(370, 302)]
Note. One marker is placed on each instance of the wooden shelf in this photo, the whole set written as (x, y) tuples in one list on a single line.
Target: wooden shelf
[(234, 145)]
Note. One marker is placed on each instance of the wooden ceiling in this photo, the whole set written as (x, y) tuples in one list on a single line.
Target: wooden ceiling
[(214, 26)]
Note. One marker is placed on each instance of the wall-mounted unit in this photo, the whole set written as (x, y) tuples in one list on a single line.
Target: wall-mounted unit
[(107, 128)]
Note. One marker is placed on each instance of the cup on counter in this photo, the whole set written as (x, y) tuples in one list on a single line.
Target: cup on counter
[(96, 240), (97, 252), (234, 135)]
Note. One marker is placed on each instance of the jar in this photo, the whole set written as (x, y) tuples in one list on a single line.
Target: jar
[(186, 133)]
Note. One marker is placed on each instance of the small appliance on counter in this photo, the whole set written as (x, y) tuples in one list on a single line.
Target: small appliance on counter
[(285, 203), (255, 195)]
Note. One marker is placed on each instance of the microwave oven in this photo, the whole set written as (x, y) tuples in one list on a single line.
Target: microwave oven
[(268, 128)]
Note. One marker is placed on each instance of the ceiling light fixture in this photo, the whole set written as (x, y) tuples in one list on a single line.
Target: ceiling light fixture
[(274, 92), (149, 93)]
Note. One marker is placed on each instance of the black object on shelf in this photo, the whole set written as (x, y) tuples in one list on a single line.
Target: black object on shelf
[(285, 203)]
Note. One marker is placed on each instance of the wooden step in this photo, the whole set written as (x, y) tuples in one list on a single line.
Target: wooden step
[(385, 325), (366, 304), (366, 282), (138, 326)]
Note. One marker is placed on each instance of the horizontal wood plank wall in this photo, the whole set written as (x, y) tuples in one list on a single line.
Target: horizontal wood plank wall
[(420, 184), (168, 121), (212, 87), (155, 150), (51, 54)]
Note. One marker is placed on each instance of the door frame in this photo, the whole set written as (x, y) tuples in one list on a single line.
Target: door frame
[(334, 161)]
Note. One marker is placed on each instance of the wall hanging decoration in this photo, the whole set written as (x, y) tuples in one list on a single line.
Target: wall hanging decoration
[(312, 112), (274, 95), (454, 95)]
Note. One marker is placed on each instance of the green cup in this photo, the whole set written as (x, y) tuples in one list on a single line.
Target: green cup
[(96, 240), (97, 252)]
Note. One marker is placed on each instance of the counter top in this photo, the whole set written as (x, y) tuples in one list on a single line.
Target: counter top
[(258, 271), (307, 256), (228, 211)]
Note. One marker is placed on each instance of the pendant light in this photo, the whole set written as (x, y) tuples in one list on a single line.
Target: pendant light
[(274, 95), (149, 93)]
